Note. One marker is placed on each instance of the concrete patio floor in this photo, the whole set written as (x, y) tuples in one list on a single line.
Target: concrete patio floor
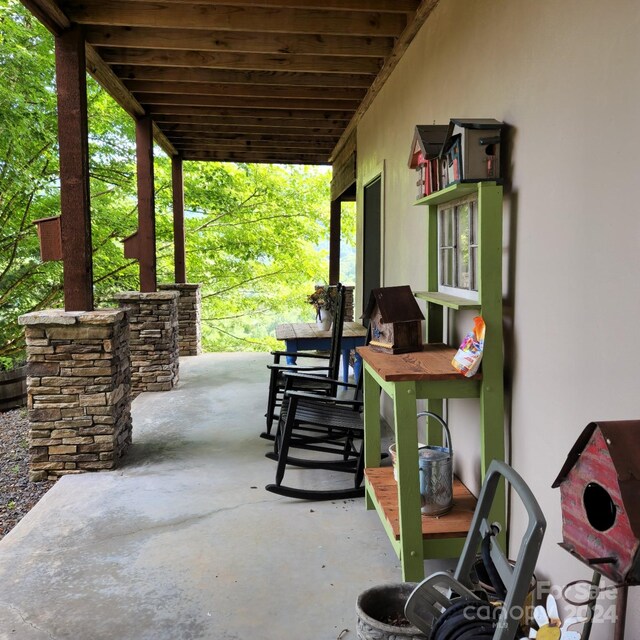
[(182, 541)]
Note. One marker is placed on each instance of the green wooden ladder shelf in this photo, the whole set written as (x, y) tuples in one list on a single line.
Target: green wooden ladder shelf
[(490, 389)]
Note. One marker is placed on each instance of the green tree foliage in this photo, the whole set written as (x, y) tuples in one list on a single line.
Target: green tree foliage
[(28, 169), (253, 231)]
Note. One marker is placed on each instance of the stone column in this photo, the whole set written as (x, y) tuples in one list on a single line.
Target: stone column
[(189, 304), (153, 323), (78, 390), (348, 303)]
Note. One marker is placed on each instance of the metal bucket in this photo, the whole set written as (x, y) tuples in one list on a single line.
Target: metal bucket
[(436, 473)]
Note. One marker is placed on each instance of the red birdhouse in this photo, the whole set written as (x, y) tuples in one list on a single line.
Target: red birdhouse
[(600, 498), (425, 149)]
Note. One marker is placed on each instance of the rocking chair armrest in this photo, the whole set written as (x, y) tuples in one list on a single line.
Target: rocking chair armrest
[(299, 354), (296, 367), (311, 376), (308, 395)]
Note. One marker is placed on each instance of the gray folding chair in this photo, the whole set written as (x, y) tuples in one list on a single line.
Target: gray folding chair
[(448, 605)]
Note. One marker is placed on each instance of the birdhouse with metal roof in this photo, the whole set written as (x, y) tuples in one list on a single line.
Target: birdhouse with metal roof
[(395, 320), (600, 499), (471, 151), (425, 151)]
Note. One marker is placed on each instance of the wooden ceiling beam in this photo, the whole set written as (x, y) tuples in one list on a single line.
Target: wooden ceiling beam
[(232, 133), (238, 42), (275, 150), (165, 15), (114, 87), (252, 130), (240, 61), (387, 6), (238, 121), (247, 137), (264, 147), (246, 103), (49, 14), (240, 90), (255, 157), (223, 76), (264, 114)]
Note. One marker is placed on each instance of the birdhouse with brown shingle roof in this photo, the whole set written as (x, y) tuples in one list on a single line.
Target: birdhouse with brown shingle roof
[(395, 320), (425, 150), (600, 499)]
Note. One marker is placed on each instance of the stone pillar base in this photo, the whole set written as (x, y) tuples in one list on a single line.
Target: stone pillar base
[(189, 304), (78, 390), (153, 324)]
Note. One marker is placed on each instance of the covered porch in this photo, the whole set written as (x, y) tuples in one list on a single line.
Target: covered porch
[(182, 541)]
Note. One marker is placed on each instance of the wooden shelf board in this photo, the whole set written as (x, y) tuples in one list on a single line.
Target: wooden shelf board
[(448, 300), (431, 364), (452, 192), (455, 524)]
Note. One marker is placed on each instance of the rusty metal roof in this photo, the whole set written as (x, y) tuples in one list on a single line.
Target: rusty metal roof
[(243, 80)]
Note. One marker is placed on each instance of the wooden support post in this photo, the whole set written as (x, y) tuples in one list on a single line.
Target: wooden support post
[(178, 219), (74, 170), (334, 242), (146, 205)]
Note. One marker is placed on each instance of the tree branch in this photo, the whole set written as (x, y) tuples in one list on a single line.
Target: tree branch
[(239, 339), (239, 284)]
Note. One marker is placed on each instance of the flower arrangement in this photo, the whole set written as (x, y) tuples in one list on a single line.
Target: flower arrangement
[(324, 297)]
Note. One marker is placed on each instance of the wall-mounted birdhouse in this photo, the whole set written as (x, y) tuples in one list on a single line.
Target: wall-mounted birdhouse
[(131, 246), (600, 498), (395, 320), (50, 237), (425, 150), (471, 151)]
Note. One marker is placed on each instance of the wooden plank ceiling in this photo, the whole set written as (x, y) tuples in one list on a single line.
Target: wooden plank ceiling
[(280, 81)]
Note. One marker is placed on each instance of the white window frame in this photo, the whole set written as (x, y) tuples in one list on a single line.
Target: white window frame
[(468, 293)]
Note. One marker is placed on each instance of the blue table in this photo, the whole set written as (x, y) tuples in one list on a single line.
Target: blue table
[(308, 336)]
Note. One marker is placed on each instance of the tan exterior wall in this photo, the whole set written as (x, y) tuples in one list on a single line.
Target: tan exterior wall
[(565, 76)]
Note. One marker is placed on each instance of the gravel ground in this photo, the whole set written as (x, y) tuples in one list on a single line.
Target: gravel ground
[(17, 494)]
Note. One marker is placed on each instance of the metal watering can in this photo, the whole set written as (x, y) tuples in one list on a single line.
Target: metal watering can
[(436, 473)]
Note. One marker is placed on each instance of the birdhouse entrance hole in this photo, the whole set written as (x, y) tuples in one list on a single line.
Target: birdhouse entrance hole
[(599, 507)]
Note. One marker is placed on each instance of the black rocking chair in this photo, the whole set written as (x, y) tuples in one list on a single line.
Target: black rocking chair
[(319, 423), (323, 378)]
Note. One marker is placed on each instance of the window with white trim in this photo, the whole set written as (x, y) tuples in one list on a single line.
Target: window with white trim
[(458, 248)]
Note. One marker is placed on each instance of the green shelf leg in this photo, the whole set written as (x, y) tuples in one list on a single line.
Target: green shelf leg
[(372, 445), (406, 431)]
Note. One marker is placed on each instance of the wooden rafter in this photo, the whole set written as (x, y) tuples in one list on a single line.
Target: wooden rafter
[(243, 80), (167, 15), (229, 76), (238, 90)]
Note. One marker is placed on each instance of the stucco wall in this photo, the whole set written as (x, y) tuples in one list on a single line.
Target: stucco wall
[(565, 76)]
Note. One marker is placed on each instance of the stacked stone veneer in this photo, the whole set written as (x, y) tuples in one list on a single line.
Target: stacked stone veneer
[(189, 305), (153, 343), (78, 390), (348, 303)]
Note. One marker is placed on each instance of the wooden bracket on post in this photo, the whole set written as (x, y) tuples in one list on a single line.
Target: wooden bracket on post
[(50, 237), (131, 246)]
